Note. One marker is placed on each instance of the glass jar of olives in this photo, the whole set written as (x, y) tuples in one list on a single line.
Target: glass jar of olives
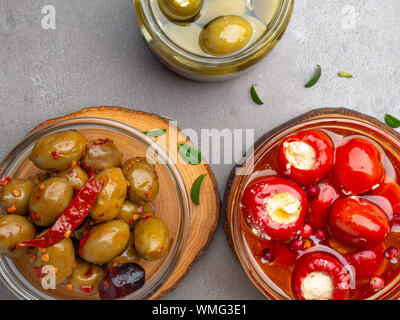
[(212, 40)]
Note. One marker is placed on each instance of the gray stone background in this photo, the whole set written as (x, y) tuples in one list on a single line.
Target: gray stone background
[(96, 56)]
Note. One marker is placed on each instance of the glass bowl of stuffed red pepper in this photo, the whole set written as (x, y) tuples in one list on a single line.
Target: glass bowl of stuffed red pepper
[(86, 202), (315, 216)]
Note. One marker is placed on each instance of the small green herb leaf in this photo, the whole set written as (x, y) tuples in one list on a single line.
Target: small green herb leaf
[(195, 191), (254, 96), (190, 153), (315, 78), (392, 121), (343, 74), (155, 132)]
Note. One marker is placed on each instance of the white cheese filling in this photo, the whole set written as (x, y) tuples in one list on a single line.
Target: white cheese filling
[(300, 154), (317, 286), (283, 208)]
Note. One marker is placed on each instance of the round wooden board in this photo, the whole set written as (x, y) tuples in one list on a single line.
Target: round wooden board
[(332, 113), (203, 218)]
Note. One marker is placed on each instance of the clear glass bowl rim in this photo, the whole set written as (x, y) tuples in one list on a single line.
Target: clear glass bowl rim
[(24, 291), (391, 292)]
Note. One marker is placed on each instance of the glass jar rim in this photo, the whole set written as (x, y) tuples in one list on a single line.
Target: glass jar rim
[(275, 30)]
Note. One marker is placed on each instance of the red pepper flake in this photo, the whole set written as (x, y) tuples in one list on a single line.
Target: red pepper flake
[(92, 173), (12, 209), (34, 216), (89, 273), (4, 180), (131, 222), (55, 155), (16, 193), (148, 194), (106, 284), (87, 289), (39, 272), (116, 206), (86, 166), (85, 238)]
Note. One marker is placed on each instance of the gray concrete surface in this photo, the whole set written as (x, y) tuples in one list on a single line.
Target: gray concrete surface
[(96, 56)]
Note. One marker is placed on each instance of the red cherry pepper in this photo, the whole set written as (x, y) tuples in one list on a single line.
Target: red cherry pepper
[(71, 218), (321, 262), (368, 262), (323, 162), (272, 225), (358, 167), (358, 222), (390, 190), (318, 207)]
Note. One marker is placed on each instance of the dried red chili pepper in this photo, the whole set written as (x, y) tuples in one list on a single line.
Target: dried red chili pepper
[(4, 180), (71, 218)]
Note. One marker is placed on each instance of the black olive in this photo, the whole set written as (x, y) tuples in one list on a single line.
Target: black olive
[(121, 280)]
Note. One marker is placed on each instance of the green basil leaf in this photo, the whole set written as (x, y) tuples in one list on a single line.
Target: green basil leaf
[(190, 153), (195, 191), (315, 78), (254, 96), (155, 132), (343, 74), (392, 121)]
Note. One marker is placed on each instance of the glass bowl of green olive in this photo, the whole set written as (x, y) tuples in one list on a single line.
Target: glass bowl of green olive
[(135, 228), (212, 40)]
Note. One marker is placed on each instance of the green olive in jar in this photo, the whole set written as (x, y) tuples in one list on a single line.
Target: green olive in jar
[(225, 35), (15, 196), (142, 179), (105, 241), (111, 197), (151, 238), (180, 10), (128, 255), (76, 176), (49, 199), (57, 151), (58, 258), (131, 212), (86, 277), (14, 229), (101, 154)]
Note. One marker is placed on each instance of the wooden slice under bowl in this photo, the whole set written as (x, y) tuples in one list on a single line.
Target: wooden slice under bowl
[(204, 217), (231, 201)]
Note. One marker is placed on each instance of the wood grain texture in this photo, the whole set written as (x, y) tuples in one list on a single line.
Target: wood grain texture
[(203, 218)]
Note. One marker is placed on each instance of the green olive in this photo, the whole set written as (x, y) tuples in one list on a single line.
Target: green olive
[(131, 212), (180, 10), (49, 200), (57, 151), (101, 154), (151, 238), (142, 179), (14, 229), (86, 277), (76, 177), (225, 35), (128, 255), (59, 256), (112, 196), (105, 241), (15, 196)]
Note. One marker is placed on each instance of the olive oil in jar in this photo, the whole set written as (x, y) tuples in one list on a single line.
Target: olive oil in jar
[(214, 28)]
